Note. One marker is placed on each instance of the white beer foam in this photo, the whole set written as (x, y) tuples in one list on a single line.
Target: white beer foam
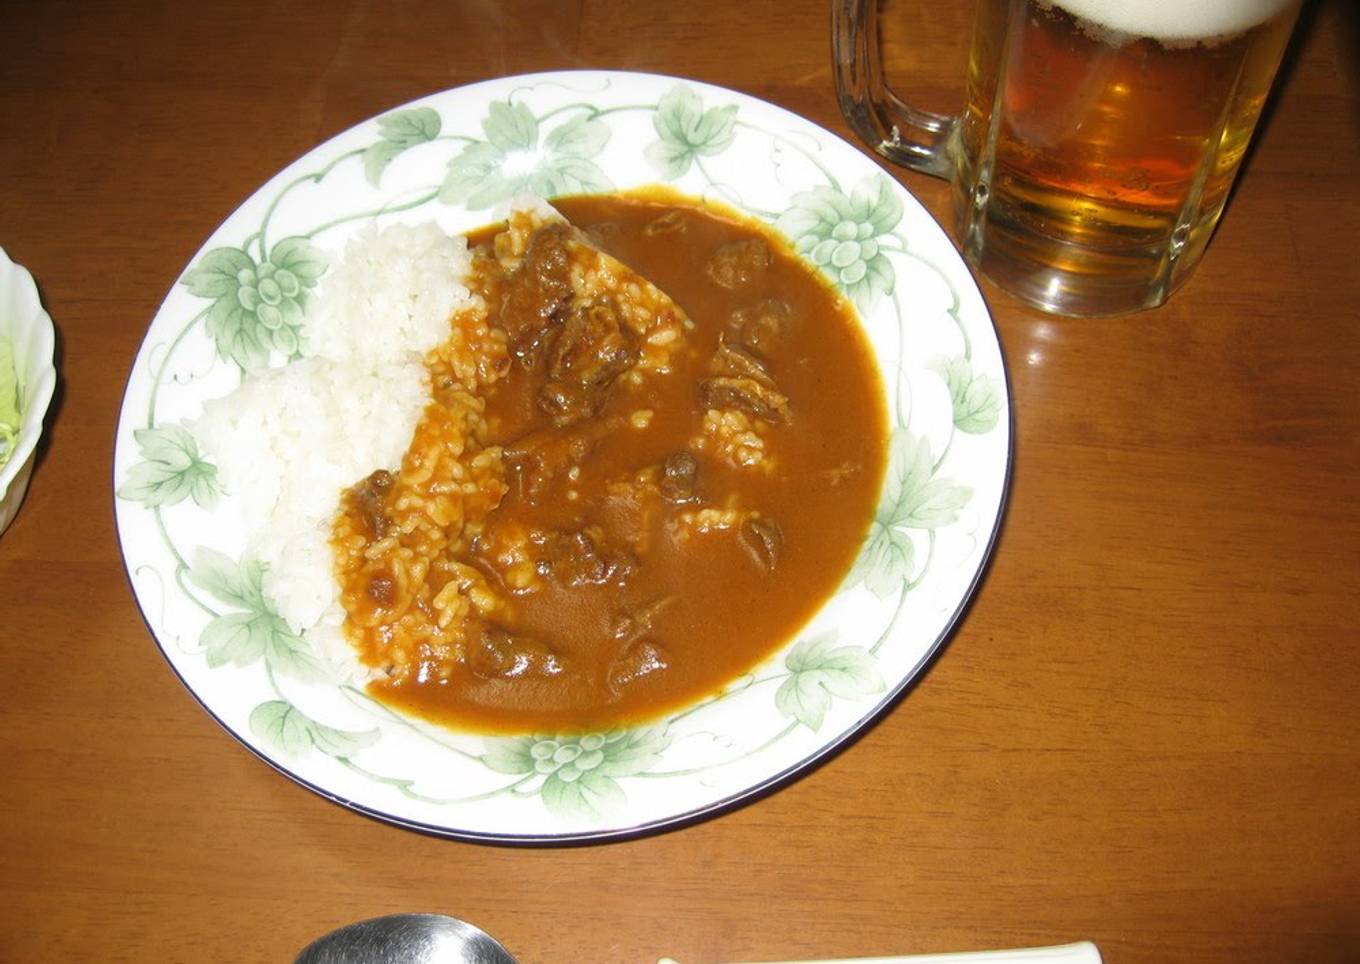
[(1174, 20)]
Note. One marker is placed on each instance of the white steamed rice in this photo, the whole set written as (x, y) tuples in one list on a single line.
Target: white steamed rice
[(289, 439)]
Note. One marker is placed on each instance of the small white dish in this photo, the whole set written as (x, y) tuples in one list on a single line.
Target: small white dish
[(29, 328)]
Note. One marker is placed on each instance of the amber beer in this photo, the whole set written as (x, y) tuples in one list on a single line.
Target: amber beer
[(1100, 139)]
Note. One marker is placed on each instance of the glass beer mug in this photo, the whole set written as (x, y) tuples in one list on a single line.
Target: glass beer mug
[(1098, 141)]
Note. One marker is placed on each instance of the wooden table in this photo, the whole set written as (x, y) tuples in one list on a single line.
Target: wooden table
[(1143, 733)]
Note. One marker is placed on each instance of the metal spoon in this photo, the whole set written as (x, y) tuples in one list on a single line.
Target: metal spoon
[(407, 939)]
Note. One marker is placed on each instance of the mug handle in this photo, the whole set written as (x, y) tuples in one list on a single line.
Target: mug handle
[(915, 138)]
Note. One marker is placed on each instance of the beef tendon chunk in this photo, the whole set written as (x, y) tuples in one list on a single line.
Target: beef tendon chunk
[(567, 403), (631, 626), (382, 589), (536, 459), (735, 362), (535, 296), (630, 508), (748, 394), (497, 654), (637, 660), (370, 497), (672, 222), (592, 348), (762, 541), (589, 350), (759, 328), (601, 233), (741, 380), (581, 558), (679, 483), (738, 263)]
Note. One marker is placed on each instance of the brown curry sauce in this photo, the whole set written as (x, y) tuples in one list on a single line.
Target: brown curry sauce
[(634, 608)]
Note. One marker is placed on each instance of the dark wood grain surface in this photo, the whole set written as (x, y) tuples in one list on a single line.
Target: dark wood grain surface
[(1143, 733)]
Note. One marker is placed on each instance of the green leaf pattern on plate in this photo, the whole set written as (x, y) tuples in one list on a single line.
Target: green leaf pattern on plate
[(976, 398), (843, 234), (822, 671), (282, 727), (255, 631), (579, 771), (257, 308), (915, 496), (511, 160), (400, 131), (252, 316), (172, 470), (686, 131)]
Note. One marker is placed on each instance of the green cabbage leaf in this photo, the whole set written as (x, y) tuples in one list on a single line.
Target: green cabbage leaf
[(9, 402)]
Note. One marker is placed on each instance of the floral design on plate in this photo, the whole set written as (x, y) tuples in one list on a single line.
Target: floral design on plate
[(256, 308), (576, 774), (521, 155), (171, 470), (686, 132), (452, 158)]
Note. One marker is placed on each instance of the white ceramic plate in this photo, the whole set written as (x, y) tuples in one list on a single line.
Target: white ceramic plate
[(452, 157)]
